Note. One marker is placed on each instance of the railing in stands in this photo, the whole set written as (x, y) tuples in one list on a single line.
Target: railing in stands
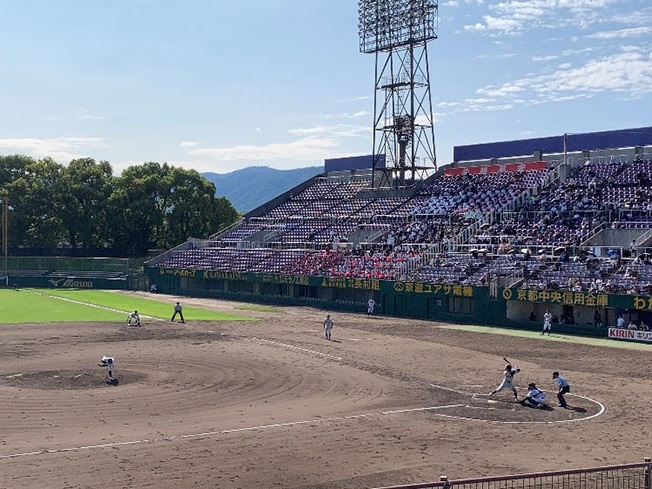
[(227, 229), (630, 476)]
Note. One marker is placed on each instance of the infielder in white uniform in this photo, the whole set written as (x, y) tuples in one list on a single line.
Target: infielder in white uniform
[(133, 319), (328, 326), (508, 381)]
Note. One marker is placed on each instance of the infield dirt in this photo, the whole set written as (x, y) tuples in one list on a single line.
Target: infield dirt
[(272, 403)]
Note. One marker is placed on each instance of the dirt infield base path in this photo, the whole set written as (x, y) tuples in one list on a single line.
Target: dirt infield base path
[(272, 403)]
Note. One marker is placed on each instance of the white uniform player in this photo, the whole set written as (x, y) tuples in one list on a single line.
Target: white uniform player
[(328, 326), (535, 397), (109, 364), (547, 323), (508, 381), (371, 306), (133, 319)]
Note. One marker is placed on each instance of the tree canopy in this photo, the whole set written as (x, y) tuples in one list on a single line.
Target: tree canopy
[(83, 205)]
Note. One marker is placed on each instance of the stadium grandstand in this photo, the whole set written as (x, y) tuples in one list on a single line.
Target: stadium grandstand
[(563, 222)]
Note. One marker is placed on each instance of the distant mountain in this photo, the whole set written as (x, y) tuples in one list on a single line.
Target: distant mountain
[(253, 186)]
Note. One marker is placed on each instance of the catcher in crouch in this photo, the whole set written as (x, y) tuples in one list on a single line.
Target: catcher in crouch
[(508, 381), (535, 397)]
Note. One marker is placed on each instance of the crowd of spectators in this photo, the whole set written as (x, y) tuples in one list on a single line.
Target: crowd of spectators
[(354, 262), (329, 214)]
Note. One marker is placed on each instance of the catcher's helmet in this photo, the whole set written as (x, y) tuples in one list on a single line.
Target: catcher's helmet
[(555, 374), (531, 385)]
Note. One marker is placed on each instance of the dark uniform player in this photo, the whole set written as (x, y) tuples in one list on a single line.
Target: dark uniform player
[(178, 310), (563, 388)]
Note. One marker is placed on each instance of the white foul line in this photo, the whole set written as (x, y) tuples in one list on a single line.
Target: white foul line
[(576, 420), (90, 304), (292, 347), (45, 451)]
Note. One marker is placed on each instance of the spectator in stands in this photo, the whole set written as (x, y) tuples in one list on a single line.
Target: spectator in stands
[(632, 325), (643, 326)]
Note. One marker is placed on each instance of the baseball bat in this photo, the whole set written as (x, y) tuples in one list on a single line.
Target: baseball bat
[(504, 358)]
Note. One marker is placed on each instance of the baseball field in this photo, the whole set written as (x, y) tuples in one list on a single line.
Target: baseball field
[(247, 396)]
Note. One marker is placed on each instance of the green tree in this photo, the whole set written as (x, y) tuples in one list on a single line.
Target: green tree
[(41, 204), (84, 189), (193, 210)]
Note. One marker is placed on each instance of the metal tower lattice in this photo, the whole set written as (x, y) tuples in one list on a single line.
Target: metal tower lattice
[(397, 32)]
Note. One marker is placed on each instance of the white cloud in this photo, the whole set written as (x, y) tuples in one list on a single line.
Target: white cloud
[(311, 147), (515, 16), (347, 115), (353, 99), (622, 33), (340, 130), (61, 149), (188, 144), (309, 151), (628, 73), (86, 115)]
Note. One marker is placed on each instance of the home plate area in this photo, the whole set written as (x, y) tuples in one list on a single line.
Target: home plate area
[(474, 404)]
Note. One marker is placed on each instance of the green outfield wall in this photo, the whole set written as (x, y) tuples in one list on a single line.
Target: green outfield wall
[(66, 272), (506, 307)]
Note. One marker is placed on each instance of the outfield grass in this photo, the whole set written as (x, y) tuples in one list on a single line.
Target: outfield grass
[(585, 340), (59, 305)]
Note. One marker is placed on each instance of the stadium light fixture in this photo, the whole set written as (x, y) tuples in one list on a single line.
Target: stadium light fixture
[(388, 24), (397, 32)]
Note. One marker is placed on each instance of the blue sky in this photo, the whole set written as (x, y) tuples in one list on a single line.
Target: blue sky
[(217, 86)]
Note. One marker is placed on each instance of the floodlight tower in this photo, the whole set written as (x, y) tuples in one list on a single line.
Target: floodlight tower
[(397, 32)]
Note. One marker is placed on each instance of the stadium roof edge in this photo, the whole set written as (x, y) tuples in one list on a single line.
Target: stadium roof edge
[(623, 138)]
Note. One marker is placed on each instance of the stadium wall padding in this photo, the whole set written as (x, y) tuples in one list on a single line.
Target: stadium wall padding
[(505, 307), (69, 282)]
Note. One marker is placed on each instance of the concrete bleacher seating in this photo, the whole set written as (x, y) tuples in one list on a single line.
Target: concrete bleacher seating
[(338, 227)]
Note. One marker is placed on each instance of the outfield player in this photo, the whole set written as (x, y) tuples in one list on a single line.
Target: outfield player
[(508, 381), (133, 319), (371, 306), (328, 326), (109, 364), (563, 387), (547, 322), (535, 397)]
